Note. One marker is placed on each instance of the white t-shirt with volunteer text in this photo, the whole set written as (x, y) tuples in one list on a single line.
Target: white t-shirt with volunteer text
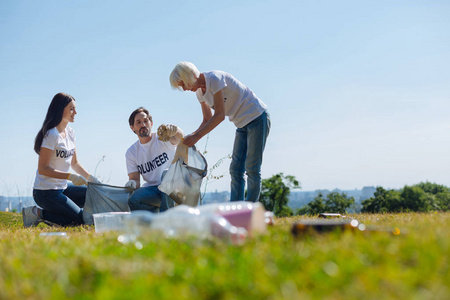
[(150, 159), (241, 105), (63, 150)]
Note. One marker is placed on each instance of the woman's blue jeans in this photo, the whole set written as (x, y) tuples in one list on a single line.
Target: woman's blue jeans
[(247, 157), (62, 207)]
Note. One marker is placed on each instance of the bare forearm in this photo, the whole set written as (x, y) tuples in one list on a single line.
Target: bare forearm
[(53, 173), (208, 126), (200, 127), (209, 121), (176, 139), (136, 177), (80, 170)]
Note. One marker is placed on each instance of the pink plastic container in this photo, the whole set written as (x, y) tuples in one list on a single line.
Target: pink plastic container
[(248, 215)]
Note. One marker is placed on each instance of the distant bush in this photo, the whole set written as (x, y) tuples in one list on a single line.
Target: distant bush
[(422, 197), (334, 202)]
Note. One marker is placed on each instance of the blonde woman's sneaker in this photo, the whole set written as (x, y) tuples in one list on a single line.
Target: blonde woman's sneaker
[(29, 218)]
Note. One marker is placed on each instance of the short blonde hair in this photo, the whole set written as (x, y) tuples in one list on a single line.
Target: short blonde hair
[(184, 71)]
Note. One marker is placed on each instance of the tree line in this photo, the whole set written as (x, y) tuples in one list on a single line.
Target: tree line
[(422, 197)]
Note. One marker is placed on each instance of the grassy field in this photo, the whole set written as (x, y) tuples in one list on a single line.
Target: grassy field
[(337, 265)]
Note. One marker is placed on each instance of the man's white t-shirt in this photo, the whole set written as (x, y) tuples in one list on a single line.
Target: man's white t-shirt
[(241, 105), (63, 150), (150, 159)]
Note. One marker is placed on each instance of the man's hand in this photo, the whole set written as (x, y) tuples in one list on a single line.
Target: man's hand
[(77, 179), (166, 131), (131, 183)]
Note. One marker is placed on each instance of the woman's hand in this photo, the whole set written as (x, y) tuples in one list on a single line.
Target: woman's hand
[(77, 179), (191, 139), (91, 178)]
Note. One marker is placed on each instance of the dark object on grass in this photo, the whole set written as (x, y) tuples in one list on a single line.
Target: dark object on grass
[(320, 226), (331, 215)]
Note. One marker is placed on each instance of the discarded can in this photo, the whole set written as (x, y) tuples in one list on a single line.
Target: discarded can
[(321, 226)]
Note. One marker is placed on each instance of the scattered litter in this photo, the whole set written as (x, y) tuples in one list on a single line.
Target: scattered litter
[(54, 234), (322, 226), (110, 221), (330, 215), (309, 226), (181, 221), (268, 217), (249, 215)]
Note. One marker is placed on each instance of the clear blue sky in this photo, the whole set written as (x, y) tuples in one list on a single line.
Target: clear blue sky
[(358, 91)]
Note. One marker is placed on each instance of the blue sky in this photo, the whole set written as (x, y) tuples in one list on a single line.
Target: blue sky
[(358, 91)]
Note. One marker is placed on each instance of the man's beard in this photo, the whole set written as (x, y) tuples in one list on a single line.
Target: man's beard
[(144, 132)]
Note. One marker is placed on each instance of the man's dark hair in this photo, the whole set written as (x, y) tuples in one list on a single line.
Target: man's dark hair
[(135, 112)]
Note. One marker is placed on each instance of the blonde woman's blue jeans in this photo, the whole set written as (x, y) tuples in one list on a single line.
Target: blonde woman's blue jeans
[(249, 144)]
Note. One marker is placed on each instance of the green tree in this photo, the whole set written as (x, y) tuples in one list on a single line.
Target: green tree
[(383, 201), (433, 188), (316, 206), (275, 192), (334, 202), (394, 202), (302, 211), (376, 203), (422, 197), (286, 212), (338, 203), (415, 199), (438, 196), (443, 200)]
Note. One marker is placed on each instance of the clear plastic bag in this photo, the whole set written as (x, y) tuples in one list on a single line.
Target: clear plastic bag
[(102, 198), (183, 179)]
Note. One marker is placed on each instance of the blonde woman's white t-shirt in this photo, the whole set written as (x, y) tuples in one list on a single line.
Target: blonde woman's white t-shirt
[(241, 105), (150, 159), (61, 158)]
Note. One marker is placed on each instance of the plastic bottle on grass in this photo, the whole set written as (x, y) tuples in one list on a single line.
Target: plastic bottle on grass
[(250, 215), (331, 215), (54, 234), (180, 221), (268, 217)]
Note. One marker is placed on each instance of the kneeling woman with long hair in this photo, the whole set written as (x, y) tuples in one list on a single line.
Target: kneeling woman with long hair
[(60, 203)]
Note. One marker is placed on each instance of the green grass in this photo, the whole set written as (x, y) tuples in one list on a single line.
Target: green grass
[(338, 265)]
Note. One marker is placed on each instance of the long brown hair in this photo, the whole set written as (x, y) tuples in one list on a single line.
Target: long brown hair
[(53, 117)]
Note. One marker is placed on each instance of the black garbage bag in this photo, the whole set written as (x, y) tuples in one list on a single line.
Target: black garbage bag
[(102, 198)]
